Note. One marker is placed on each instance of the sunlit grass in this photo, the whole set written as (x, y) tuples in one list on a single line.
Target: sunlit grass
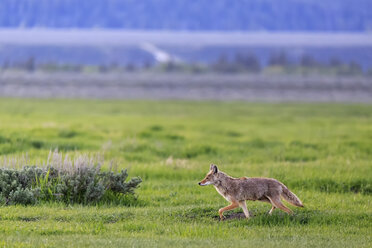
[(322, 152)]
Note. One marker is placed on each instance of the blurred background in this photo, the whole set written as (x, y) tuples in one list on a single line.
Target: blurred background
[(255, 50)]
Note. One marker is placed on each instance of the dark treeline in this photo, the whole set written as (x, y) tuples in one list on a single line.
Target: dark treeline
[(274, 15), (278, 63)]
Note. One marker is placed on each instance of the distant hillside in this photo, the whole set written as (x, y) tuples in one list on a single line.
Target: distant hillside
[(271, 15)]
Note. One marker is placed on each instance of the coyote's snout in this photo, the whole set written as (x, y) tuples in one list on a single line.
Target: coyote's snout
[(238, 190)]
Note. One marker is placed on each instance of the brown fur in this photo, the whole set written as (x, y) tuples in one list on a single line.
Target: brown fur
[(238, 190)]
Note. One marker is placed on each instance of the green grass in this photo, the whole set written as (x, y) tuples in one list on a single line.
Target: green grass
[(322, 152)]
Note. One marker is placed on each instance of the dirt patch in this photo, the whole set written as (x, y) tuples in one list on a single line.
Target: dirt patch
[(234, 216)]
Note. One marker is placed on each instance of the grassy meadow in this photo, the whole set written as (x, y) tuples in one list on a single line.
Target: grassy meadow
[(322, 152)]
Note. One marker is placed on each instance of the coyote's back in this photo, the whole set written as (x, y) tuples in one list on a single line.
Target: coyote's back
[(257, 188)]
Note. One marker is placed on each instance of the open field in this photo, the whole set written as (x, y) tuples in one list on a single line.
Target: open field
[(322, 152)]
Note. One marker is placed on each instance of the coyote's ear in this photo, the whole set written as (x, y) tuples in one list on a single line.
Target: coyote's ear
[(214, 168)]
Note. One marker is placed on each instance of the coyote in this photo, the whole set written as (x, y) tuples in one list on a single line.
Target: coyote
[(238, 190)]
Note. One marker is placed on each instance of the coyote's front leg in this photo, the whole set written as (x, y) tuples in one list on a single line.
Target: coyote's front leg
[(230, 207), (243, 205)]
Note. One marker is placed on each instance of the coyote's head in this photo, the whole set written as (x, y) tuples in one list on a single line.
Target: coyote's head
[(211, 177)]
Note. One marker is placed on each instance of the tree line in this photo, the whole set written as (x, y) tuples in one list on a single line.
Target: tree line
[(278, 63)]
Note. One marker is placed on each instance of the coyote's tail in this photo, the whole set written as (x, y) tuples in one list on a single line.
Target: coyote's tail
[(291, 198)]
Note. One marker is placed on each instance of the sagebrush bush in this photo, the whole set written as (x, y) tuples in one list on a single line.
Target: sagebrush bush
[(79, 181)]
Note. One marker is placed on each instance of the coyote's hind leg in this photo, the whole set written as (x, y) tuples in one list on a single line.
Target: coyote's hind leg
[(265, 199), (272, 209), (275, 201)]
